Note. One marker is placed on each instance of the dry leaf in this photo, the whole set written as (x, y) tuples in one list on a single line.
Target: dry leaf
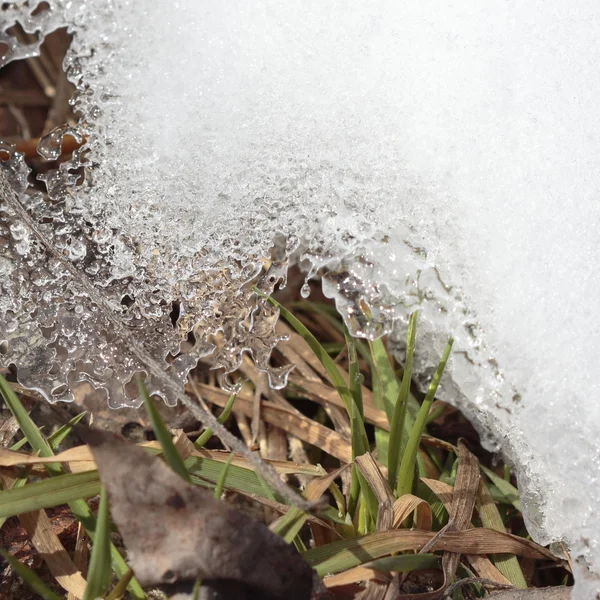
[(175, 532)]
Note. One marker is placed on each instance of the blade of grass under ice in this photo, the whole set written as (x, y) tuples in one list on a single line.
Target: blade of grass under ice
[(509, 491), (407, 466)]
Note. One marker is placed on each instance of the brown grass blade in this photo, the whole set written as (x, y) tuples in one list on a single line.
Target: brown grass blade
[(323, 394), (485, 569), (407, 505), (46, 542), (464, 497), (344, 554), (80, 556), (298, 353), (442, 490), (378, 483), (80, 459), (507, 564), (299, 426), (356, 575)]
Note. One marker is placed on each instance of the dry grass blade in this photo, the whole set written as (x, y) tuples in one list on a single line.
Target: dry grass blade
[(80, 459), (407, 505), (378, 484), (301, 427), (298, 352), (441, 489), (345, 554), (485, 569), (80, 556), (290, 524), (46, 542), (182, 444), (324, 394), (460, 510), (468, 478), (507, 564), (356, 575), (465, 489)]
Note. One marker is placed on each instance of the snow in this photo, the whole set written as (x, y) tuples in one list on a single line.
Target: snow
[(434, 154)]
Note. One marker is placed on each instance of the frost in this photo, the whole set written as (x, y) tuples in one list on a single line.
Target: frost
[(416, 154)]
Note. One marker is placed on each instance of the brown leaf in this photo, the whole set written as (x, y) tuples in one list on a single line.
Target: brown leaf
[(175, 532)]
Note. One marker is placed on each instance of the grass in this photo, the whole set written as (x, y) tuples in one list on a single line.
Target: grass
[(347, 403)]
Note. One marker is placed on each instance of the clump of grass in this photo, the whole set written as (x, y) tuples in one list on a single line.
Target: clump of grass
[(403, 494)]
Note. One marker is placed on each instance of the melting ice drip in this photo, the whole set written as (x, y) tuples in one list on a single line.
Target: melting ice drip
[(415, 155)]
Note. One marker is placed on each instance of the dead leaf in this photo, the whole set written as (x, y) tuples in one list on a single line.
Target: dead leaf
[(175, 532)]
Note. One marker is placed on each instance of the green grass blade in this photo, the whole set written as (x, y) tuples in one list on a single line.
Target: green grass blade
[(405, 563), (385, 375), (509, 491), (30, 578), (382, 437), (407, 467), (290, 524), (369, 498), (223, 478), (354, 492), (18, 445), (507, 564), (208, 433), (30, 430), (56, 438), (18, 483), (48, 493), (355, 377), (345, 554), (78, 507), (163, 435), (359, 440), (332, 371), (119, 590), (100, 572), (399, 415)]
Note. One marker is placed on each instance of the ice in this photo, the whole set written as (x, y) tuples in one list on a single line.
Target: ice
[(432, 155)]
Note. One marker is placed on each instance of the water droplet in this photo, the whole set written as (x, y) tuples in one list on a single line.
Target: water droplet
[(50, 146), (305, 290)]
